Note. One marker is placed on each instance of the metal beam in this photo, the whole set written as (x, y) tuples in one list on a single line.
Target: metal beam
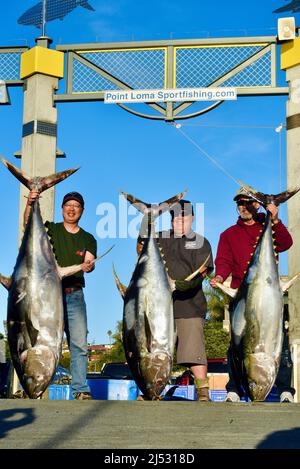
[(108, 76), (77, 97), (14, 82), (166, 43), (13, 49), (241, 66), (263, 91)]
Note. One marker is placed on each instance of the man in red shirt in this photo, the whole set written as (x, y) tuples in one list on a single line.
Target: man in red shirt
[(235, 248)]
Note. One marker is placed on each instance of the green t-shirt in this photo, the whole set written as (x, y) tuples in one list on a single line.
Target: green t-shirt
[(69, 249)]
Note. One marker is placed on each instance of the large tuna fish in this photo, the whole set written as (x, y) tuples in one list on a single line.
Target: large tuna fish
[(256, 325), (148, 321), (35, 303)]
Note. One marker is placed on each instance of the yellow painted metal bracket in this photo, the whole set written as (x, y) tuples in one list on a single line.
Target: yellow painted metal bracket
[(42, 60), (290, 54)]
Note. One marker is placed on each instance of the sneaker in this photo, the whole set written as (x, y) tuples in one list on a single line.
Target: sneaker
[(232, 397), (83, 396), (286, 396)]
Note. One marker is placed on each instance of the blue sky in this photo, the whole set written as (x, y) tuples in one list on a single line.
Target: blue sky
[(149, 159)]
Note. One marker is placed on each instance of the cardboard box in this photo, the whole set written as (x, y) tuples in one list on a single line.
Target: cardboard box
[(218, 381)]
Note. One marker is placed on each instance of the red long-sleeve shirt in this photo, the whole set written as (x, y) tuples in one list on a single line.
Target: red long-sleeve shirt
[(236, 245)]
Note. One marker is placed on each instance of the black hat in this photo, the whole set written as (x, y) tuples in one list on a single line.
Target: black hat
[(73, 196), (181, 208)]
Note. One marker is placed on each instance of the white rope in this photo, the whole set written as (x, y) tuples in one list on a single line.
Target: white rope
[(211, 159), (222, 126)]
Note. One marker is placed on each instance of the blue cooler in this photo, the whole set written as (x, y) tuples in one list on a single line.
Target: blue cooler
[(60, 392), (217, 395), (113, 389), (187, 392)]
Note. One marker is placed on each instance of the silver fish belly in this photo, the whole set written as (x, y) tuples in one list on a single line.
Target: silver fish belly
[(257, 319), (35, 309), (148, 322)]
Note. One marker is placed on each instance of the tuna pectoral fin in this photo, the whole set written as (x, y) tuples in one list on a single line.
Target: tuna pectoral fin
[(286, 285), (73, 269), (5, 281), (201, 269), (104, 254), (172, 283), (238, 321), (229, 291), (31, 330), (40, 183), (148, 333), (122, 289), (67, 271)]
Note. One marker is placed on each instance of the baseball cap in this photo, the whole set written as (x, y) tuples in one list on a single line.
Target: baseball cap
[(181, 208), (73, 196), (241, 193)]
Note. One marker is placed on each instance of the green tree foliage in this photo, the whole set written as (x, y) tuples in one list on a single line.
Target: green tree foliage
[(115, 354), (216, 302), (117, 351), (65, 360), (216, 339)]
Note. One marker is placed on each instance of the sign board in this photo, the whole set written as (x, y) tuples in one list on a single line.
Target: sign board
[(173, 95)]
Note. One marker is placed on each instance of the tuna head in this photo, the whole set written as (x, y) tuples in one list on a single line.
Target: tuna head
[(156, 369), (39, 365), (261, 374)]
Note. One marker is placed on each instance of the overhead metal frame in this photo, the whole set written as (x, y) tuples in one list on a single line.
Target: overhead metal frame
[(10, 65), (101, 64)]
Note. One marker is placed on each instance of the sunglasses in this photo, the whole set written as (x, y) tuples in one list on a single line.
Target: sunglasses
[(244, 203)]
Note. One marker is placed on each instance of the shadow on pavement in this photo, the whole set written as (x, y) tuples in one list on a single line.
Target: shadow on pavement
[(11, 419), (285, 439), (90, 410)]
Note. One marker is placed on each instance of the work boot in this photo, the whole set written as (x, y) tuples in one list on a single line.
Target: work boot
[(202, 389), (83, 396)]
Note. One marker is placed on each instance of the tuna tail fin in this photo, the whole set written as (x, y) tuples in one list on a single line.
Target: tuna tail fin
[(265, 199), (5, 281), (154, 209), (289, 283), (85, 4), (41, 183), (121, 287)]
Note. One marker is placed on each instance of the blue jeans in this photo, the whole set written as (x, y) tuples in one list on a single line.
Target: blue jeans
[(76, 332)]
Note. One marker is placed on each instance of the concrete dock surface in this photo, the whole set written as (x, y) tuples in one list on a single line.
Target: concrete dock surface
[(49, 424)]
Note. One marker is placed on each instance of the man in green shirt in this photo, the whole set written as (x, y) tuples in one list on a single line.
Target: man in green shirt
[(72, 245)]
